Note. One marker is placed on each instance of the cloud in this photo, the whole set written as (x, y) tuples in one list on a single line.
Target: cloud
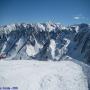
[(76, 18), (79, 17)]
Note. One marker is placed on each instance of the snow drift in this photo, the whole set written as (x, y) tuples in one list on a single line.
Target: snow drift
[(42, 75)]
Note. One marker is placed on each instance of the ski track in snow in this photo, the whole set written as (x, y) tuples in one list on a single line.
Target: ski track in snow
[(42, 75)]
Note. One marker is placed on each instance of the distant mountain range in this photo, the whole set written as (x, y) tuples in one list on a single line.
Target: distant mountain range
[(45, 41)]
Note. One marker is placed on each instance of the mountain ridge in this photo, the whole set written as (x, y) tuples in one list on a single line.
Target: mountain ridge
[(45, 41)]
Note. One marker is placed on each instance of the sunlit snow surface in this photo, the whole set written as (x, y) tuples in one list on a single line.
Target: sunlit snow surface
[(44, 75)]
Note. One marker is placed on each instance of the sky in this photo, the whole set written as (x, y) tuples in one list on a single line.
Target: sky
[(34, 11)]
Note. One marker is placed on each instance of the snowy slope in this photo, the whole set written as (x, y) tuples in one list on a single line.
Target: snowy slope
[(42, 75)]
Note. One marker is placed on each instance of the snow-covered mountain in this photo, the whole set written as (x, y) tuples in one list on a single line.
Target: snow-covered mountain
[(45, 41)]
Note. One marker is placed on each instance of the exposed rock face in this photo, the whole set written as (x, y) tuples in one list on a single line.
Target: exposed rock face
[(45, 41), (82, 40)]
